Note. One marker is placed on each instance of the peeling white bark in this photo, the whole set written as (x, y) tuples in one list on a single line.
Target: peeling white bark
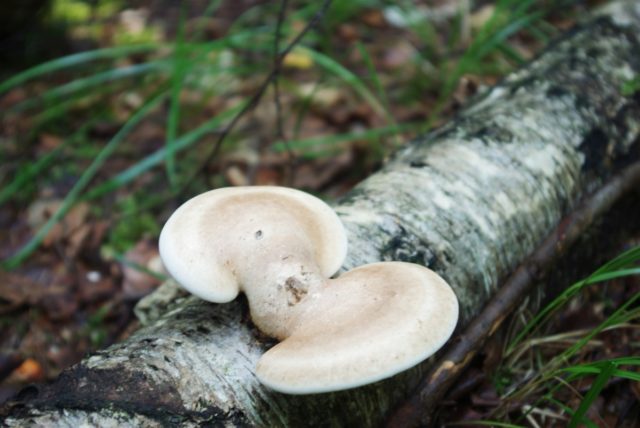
[(470, 200)]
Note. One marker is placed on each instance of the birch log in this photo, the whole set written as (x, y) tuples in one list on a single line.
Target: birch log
[(470, 200)]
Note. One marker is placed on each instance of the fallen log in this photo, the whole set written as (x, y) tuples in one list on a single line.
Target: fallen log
[(457, 356), (470, 200)]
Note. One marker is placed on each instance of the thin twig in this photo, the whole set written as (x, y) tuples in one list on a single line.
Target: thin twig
[(280, 134), (418, 409), (253, 101)]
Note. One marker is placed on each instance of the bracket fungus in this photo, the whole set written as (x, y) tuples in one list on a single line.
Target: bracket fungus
[(280, 247)]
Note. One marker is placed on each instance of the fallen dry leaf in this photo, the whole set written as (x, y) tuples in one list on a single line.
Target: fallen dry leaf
[(267, 176), (15, 291), (236, 176), (318, 174), (136, 282), (399, 55), (374, 18), (323, 98), (42, 210), (480, 17), (49, 142), (467, 87), (29, 371), (297, 60), (348, 32)]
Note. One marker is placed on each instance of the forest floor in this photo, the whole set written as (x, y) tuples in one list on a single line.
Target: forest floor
[(127, 117)]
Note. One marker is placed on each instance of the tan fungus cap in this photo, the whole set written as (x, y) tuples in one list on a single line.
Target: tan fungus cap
[(369, 324), (219, 240)]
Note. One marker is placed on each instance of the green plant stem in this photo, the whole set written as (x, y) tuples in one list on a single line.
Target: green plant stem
[(157, 157), (72, 197), (71, 88), (181, 67), (73, 60)]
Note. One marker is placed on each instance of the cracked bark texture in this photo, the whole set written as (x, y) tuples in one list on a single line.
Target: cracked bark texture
[(469, 200)]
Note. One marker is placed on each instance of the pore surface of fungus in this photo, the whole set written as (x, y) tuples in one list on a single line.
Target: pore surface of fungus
[(280, 247)]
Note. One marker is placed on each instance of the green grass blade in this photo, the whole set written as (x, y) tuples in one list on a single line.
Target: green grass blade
[(497, 21), (501, 36), (620, 361), (538, 32), (373, 74), (631, 86), (180, 69), (560, 405), (626, 374), (543, 314), (73, 60), (596, 387), (610, 270), (351, 79), (159, 156), (78, 85), (72, 197), (28, 173), (31, 171), (87, 100), (380, 91), (307, 146), (241, 39), (202, 25), (302, 112), (623, 260), (490, 37), (613, 319), (511, 53), (606, 276), (140, 268), (579, 372)]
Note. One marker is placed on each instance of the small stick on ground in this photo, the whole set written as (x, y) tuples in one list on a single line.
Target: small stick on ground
[(257, 96), (277, 66), (418, 409)]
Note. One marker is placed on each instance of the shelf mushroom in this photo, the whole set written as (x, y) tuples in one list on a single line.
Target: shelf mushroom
[(280, 247)]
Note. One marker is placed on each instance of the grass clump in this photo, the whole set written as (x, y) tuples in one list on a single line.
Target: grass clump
[(559, 376)]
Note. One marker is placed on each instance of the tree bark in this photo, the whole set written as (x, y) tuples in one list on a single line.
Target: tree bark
[(458, 354), (470, 200)]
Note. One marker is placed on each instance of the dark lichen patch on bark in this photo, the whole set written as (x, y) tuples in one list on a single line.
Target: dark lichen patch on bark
[(353, 197), (203, 329), (555, 91), (525, 82), (493, 133), (419, 164), (595, 148), (84, 388), (594, 52), (623, 125), (407, 247), (132, 392), (207, 314)]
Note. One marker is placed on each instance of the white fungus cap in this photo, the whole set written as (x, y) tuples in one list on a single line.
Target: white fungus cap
[(369, 324), (218, 240), (279, 246)]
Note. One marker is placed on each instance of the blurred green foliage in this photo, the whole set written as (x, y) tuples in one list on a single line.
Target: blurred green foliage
[(146, 73)]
